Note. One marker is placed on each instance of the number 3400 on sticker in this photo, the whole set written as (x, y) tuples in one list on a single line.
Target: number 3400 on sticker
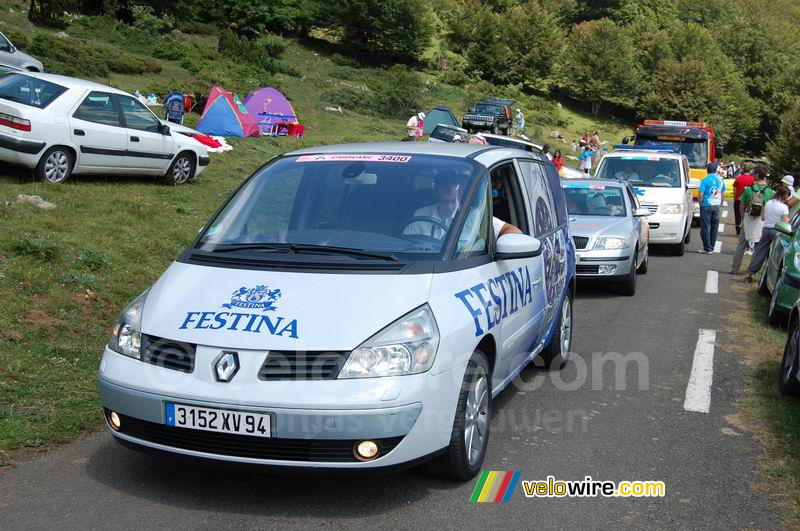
[(220, 420)]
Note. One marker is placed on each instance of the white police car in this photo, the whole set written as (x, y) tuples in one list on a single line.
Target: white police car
[(350, 307)]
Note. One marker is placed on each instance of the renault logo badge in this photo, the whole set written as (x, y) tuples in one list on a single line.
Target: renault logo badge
[(226, 366)]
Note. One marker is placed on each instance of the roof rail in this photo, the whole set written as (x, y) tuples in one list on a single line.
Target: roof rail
[(646, 147)]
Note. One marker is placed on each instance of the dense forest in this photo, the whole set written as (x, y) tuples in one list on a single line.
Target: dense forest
[(733, 63)]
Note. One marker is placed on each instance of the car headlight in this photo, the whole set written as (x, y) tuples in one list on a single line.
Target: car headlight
[(610, 243), (676, 208), (407, 346), (126, 336)]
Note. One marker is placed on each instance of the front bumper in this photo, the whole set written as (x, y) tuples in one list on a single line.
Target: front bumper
[(667, 228), (608, 265), (313, 423)]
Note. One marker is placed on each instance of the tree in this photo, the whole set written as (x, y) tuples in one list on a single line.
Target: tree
[(386, 30), (600, 65), (537, 42), (784, 152)]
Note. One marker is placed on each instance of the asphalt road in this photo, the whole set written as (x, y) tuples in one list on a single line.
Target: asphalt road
[(612, 427)]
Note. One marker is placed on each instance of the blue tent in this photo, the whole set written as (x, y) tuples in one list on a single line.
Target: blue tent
[(439, 115), (222, 117)]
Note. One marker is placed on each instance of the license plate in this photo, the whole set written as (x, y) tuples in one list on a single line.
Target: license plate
[(219, 420)]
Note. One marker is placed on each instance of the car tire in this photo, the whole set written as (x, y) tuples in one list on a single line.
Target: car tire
[(763, 288), (628, 286), (645, 263), (182, 169), (788, 372), (556, 354), (495, 129), (775, 315), (462, 460), (678, 249), (56, 165)]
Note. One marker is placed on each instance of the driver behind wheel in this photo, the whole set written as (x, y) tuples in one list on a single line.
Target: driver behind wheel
[(447, 189)]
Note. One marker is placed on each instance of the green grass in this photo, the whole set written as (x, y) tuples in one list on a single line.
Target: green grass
[(66, 273)]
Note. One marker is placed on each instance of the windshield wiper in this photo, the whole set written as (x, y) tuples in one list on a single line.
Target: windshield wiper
[(295, 248), (310, 247), (252, 247)]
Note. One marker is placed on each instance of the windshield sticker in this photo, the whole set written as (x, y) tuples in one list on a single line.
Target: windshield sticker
[(639, 191), (354, 157), (488, 303), (642, 158), (261, 298), (585, 186)]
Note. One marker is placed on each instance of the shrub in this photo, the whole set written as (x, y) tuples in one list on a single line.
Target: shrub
[(74, 57), (398, 92), (349, 97), (341, 60), (78, 279), (170, 49), (197, 28), (146, 21), (19, 39), (39, 246), (92, 260)]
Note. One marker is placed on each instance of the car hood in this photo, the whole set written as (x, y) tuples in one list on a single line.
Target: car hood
[(591, 226), (277, 310), (659, 195)]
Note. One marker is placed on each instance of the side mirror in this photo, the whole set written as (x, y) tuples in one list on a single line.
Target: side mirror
[(626, 140), (515, 246), (641, 212), (784, 227), (694, 184), (12, 48), (163, 129)]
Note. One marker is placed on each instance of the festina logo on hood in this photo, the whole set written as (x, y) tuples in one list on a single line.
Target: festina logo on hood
[(261, 298)]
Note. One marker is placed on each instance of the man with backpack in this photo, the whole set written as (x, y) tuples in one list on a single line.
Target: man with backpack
[(751, 205), (710, 198)]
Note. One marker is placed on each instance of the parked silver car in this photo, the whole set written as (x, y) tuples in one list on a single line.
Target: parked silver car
[(609, 229), (11, 56)]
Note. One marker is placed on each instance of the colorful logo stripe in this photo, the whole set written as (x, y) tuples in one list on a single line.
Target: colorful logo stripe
[(495, 486)]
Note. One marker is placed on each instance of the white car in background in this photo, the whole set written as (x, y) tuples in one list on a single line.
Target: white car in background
[(57, 126), (661, 181), (10, 55)]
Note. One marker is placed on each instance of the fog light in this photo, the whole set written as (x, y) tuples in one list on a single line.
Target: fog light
[(366, 450), (114, 421), (607, 269)]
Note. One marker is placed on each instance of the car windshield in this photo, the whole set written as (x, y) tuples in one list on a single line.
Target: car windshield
[(585, 199), (400, 206), (486, 108), (695, 150), (642, 170), (28, 90), (448, 133)]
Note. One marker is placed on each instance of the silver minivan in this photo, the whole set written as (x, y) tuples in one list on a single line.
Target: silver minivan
[(10, 55)]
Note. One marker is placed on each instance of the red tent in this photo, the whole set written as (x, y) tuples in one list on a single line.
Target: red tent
[(223, 117)]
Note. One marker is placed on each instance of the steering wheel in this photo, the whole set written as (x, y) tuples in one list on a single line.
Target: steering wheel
[(427, 219)]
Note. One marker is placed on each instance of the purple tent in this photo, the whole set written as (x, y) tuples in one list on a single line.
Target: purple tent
[(268, 106)]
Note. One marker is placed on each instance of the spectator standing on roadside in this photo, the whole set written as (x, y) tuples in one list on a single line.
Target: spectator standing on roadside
[(574, 146), (546, 152), (415, 126), (594, 142), (742, 181), (584, 140), (793, 202), (788, 182), (751, 205), (519, 118), (774, 211), (586, 159), (558, 160), (710, 198)]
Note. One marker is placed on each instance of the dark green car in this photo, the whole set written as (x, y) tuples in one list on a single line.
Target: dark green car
[(781, 277)]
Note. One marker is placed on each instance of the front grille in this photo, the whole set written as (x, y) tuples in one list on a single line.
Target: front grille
[(302, 365), (587, 269), (580, 242), (169, 354), (322, 450)]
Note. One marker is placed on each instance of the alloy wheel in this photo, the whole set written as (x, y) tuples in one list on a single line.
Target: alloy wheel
[(476, 416), (181, 170), (56, 167)]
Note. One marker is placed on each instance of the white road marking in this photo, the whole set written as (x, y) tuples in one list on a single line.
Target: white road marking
[(724, 203), (712, 282), (717, 247), (698, 390), (721, 228), (724, 213)]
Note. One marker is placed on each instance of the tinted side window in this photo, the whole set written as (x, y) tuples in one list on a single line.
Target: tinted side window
[(137, 116), (5, 45), (541, 200), (100, 108), (474, 235)]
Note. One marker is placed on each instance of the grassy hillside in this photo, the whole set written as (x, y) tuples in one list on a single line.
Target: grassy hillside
[(65, 273)]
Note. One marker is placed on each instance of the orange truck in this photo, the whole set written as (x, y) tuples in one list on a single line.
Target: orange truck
[(696, 140)]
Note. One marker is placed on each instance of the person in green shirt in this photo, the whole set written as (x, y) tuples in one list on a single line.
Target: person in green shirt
[(751, 225)]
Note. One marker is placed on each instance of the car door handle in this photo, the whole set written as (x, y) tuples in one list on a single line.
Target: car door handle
[(134, 139), (79, 132)]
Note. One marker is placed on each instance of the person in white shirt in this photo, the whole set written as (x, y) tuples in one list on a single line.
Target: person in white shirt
[(627, 173), (447, 189), (414, 125), (774, 211)]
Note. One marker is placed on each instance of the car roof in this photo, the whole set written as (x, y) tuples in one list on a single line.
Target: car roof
[(405, 148), (591, 180), (660, 154), (73, 82), (514, 139)]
